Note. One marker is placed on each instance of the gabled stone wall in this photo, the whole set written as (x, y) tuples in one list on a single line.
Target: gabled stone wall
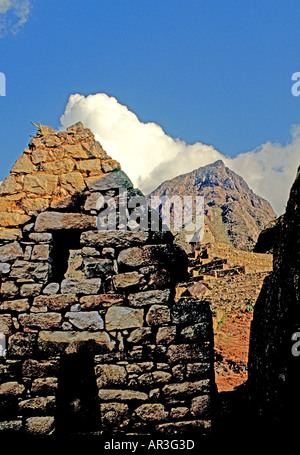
[(95, 340)]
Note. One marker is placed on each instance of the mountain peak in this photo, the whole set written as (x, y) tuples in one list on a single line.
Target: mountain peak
[(234, 214), (218, 163)]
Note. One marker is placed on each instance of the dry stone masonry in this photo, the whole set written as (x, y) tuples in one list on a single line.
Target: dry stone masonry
[(95, 341)]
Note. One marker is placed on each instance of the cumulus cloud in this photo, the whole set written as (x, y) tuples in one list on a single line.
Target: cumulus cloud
[(13, 14), (149, 156)]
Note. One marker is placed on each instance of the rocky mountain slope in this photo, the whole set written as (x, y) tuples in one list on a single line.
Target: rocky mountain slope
[(234, 214)]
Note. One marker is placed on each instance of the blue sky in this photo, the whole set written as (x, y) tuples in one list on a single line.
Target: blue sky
[(215, 71)]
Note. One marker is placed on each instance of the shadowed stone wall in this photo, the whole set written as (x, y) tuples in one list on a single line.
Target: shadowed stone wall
[(274, 371)]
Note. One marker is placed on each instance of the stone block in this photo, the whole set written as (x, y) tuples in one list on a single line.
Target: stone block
[(34, 205), (186, 389), (9, 289), (44, 321), (154, 378), (51, 288), (185, 353), (178, 372), (110, 375), (72, 342), (44, 237), (11, 426), (44, 386), (95, 267), (30, 289), (5, 324), (90, 252), (131, 257), (158, 315), (10, 186), (72, 182), (37, 406), (20, 305), (88, 165), (59, 167), (10, 233), (40, 426), (86, 320), (75, 265), (55, 302), (81, 286), (166, 335), (40, 183), (52, 221), (30, 270), (121, 318), (39, 156), (21, 344), (152, 412), (113, 238), (200, 406), (40, 253), (110, 165), (139, 368), (94, 149), (10, 252), (75, 151), (13, 219), (101, 301), (94, 201), (40, 368), (113, 180), (114, 415), (12, 388), (126, 280), (121, 395), (180, 412), (142, 336), (155, 297), (201, 427)]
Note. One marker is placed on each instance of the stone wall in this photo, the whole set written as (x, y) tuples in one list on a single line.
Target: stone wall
[(95, 341)]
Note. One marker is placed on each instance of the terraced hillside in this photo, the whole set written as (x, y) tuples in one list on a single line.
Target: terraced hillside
[(230, 280)]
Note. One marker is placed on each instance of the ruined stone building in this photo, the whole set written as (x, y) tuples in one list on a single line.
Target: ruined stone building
[(93, 339)]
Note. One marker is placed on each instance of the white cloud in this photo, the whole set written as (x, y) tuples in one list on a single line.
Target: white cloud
[(149, 156), (5, 5), (13, 14)]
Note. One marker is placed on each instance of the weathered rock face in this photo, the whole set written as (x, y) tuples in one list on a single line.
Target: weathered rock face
[(274, 372), (234, 214), (94, 339)]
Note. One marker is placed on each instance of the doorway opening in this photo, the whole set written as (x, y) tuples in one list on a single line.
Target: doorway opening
[(78, 409), (63, 242)]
